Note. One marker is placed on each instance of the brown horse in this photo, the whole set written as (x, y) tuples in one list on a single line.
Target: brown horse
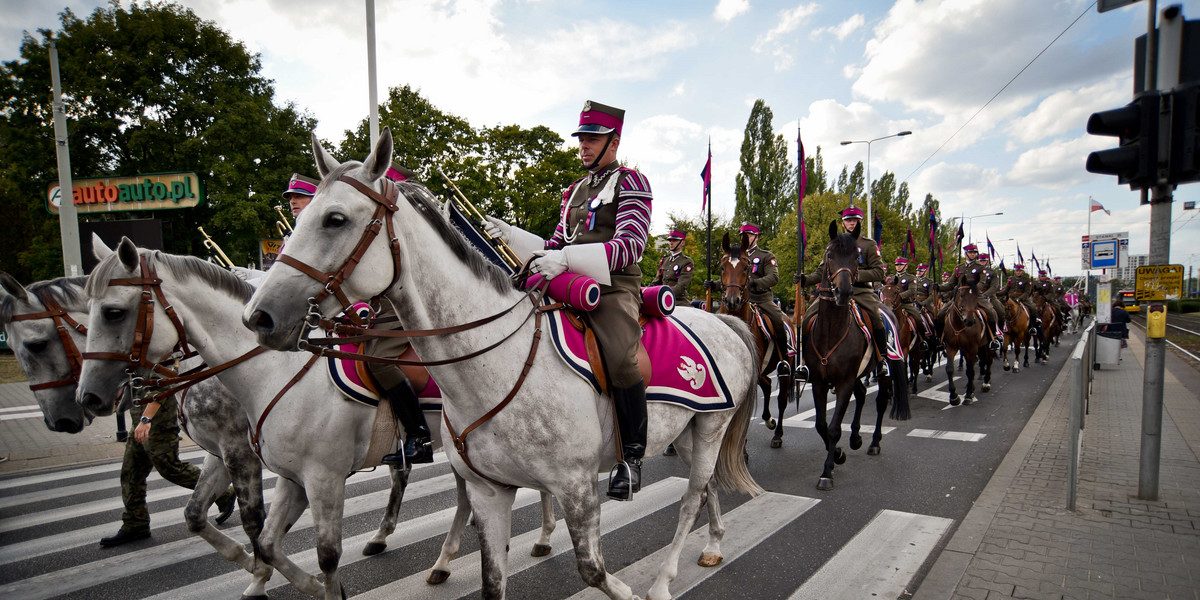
[(735, 280), (964, 332), (909, 334), (1048, 331), (838, 354), (1016, 334)]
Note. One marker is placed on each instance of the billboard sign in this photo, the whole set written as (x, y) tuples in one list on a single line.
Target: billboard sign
[(1157, 283), (155, 191), (1105, 251)]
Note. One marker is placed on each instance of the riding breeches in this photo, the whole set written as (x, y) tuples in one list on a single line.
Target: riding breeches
[(863, 297), (775, 315), (386, 375), (615, 322)]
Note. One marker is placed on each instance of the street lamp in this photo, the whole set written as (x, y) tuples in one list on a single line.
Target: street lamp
[(870, 221), (968, 220)]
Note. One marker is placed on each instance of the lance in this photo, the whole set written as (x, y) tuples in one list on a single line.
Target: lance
[(468, 209)]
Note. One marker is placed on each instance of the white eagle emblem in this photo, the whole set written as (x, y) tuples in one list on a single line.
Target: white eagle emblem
[(692, 372)]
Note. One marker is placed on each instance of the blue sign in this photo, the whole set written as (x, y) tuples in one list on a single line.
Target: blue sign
[(1105, 254)]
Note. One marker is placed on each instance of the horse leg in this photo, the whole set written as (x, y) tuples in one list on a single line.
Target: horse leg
[(493, 518), (711, 555), (785, 394), (820, 392), (950, 376), (441, 569), (764, 385), (245, 469), (212, 482), (881, 402), (387, 526), (288, 505), (327, 497), (542, 546), (985, 369), (835, 455), (581, 512), (860, 396), (970, 360)]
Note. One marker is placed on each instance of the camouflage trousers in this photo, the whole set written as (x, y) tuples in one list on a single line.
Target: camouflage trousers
[(161, 452)]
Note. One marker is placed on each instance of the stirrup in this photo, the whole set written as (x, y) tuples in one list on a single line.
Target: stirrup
[(884, 371), (612, 475), (802, 373)]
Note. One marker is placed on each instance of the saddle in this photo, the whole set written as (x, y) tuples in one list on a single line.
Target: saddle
[(767, 328)]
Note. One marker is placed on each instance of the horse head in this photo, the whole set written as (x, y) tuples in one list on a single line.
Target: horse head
[(735, 275), (891, 295), (967, 298), (45, 340), (841, 264)]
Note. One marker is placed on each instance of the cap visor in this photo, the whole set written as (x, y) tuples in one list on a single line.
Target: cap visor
[(592, 128)]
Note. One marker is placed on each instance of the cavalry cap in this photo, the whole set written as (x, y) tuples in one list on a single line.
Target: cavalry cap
[(398, 172), (1042, 272), (970, 248), (300, 184), (1018, 267), (599, 118), (676, 235), (853, 212), (1058, 278), (900, 260), (749, 228), (984, 256), (922, 267)]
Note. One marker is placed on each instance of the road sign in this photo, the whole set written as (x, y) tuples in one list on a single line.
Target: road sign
[(1105, 251), (1158, 282)]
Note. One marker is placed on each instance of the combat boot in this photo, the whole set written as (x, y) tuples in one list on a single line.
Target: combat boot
[(626, 477), (124, 536), (880, 335), (418, 446)]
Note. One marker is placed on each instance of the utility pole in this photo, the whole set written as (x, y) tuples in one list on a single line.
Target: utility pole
[(68, 217)]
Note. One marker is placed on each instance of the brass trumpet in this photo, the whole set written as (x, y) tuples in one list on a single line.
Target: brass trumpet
[(468, 209), (283, 226), (215, 250)]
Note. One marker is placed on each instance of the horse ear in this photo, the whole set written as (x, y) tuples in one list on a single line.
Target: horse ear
[(10, 285), (858, 230), (725, 243), (99, 249), (379, 160), (833, 232), (745, 240), (128, 253), (325, 163)]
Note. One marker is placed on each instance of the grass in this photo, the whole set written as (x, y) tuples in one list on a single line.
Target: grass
[(10, 372)]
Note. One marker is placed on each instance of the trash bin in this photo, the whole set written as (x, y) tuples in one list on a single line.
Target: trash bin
[(1108, 346)]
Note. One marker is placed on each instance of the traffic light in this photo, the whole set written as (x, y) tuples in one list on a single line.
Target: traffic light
[(1184, 163), (1136, 124)]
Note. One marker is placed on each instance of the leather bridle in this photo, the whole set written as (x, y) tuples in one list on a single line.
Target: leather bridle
[(332, 280), (62, 320)]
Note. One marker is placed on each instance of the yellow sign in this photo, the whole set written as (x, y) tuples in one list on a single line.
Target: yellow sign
[(269, 249), (1159, 282), (140, 192)]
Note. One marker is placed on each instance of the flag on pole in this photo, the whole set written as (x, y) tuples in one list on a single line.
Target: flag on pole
[(878, 231), (1020, 258), (1049, 271), (910, 245), (1097, 206), (991, 248), (801, 191), (933, 226), (706, 175), (1002, 269), (1036, 264), (958, 237)]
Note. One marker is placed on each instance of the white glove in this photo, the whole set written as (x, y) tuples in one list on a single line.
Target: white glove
[(497, 229), (243, 273), (549, 263)]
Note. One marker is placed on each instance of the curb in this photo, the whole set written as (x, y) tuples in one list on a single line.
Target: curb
[(943, 578)]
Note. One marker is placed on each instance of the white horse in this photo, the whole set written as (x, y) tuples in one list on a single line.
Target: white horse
[(311, 437), (555, 432), (37, 318)]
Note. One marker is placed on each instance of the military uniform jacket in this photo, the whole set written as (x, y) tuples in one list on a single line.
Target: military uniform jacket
[(675, 270), (905, 282), (870, 270), (959, 276), (764, 274), (1019, 287), (990, 283)]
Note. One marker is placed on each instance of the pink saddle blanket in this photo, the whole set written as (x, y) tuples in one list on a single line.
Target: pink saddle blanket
[(682, 370), (355, 382)]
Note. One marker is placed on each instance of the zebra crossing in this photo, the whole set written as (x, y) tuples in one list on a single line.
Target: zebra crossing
[(50, 524)]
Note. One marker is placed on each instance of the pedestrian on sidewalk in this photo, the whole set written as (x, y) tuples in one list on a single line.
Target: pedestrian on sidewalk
[(1120, 321), (154, 444)]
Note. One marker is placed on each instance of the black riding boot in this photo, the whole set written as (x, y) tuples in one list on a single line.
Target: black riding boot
[(419, 443), (626, 477), (880, 336)]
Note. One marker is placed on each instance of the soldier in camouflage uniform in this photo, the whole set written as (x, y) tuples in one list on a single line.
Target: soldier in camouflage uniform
[(675, 269), (154, 445)]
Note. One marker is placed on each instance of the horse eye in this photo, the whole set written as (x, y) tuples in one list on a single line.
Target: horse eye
[(35, 347), (335, 220), (112, 315)]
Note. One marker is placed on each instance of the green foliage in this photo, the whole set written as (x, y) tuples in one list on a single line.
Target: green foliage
[(150, 88), (766, 184)]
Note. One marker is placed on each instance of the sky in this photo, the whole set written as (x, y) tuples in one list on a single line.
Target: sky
[(687, 73)]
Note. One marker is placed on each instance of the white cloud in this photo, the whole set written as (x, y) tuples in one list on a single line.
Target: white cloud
[(679, 90), (1068, 109), (775, 42), (727, 10), (1056, 165), (843, 29)]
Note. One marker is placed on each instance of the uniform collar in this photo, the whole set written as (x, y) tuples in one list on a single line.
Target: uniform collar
[(595, 177)]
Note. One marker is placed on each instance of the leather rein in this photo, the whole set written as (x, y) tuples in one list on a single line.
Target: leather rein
[(62, 320), (827, 296)]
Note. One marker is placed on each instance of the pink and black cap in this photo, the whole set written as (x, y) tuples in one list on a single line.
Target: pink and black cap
[(1018, 267), (750, 228), (853, 212), (970, 248), (922, 267), (676, 235), (300, 184), (985, 256), (600, 119), (900, 260), (398, 172)]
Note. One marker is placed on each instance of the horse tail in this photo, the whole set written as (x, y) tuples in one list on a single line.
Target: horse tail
[(731, 471), (900, 411)]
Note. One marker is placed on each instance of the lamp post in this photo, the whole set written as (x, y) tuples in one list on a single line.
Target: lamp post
[(870, 220), (969, 219)]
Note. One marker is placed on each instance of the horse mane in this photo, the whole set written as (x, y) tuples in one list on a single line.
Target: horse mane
[(181, 266), (64, 290)]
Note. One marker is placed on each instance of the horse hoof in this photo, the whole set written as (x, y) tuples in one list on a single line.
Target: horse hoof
[(874, 451), (855, 442), (373, 548), (968, 400), (437, 576), (839, 456), (770, 423), (987, 387), (955, 400), (1006, 367), (825, 484), (1016, 369), (710, 560), (776, 442), (929, 378), (540, 550)]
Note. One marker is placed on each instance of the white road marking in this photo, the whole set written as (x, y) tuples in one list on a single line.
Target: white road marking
[(960, 436)]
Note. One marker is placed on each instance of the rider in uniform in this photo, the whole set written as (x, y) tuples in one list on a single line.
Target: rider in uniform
[(987, 290), (764, 274), (391, 379), (871, 269), (675, 269), (911, 289), (602, 232), (958, 279), (1019, 287)]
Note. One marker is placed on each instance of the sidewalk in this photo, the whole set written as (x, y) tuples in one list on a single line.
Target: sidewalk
[(27, 445), (1020, 541)]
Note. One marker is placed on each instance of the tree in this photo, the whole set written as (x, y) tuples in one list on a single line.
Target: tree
[(151, 88), (766, 183)]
